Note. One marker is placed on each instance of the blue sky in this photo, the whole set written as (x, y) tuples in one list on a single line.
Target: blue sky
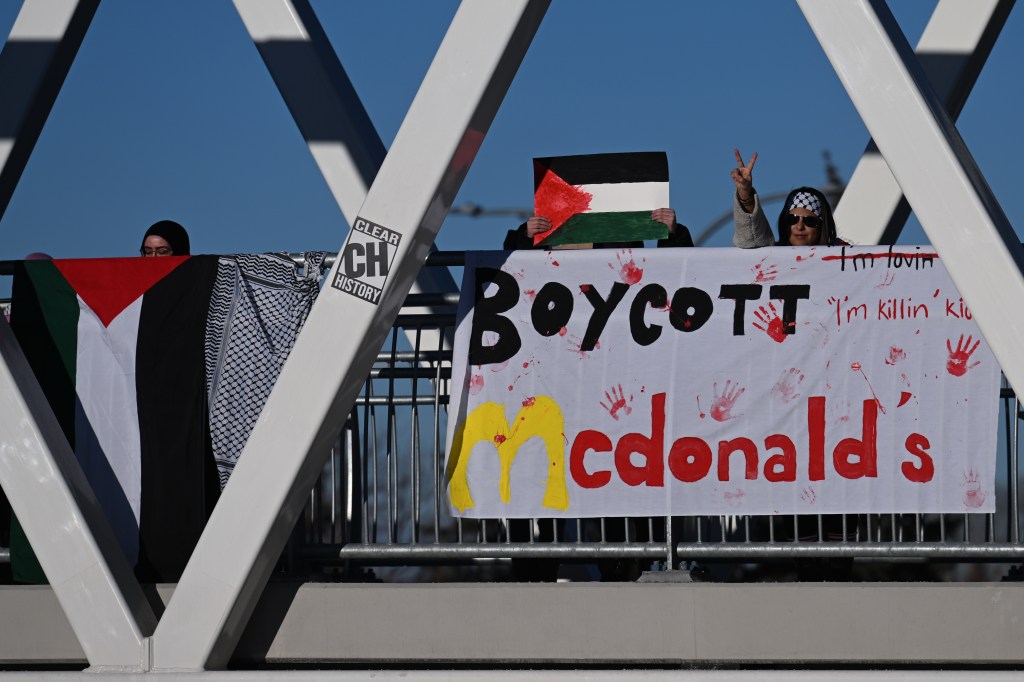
[(169, 112)]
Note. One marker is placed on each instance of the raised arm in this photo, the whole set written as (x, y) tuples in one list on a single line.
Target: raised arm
[(743, 176), (750, 226)]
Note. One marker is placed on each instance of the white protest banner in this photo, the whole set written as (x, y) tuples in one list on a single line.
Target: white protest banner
[(718, 381)]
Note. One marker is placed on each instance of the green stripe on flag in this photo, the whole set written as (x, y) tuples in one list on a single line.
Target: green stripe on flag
[(44, 318), (46, 325), (599, 228)]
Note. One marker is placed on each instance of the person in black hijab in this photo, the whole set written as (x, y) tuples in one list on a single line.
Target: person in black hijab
[(165, 238)]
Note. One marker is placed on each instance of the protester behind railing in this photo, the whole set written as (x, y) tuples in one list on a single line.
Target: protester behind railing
[(522, 237), (615, 529), (806, 218), (157, 384), (165, 238)]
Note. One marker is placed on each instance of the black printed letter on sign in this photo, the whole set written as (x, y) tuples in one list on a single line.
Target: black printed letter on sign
[(366, 260)]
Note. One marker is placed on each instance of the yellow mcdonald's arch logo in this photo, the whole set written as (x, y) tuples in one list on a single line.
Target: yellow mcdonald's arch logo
[(539, 416)]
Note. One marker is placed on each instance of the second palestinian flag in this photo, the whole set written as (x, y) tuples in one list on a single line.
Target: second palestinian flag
[(601, 197)]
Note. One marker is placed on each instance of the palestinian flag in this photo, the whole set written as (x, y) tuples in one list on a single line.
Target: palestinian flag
[(600, 197), (118, 348)]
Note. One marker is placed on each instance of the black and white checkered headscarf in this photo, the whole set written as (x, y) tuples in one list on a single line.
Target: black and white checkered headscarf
[(805, 200), (814, 201)]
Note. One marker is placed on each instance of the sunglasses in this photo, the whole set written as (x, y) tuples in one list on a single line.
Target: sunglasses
[(811, 221)]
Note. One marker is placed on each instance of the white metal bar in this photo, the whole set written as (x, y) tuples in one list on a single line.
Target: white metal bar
[(319, 95), (952, 51), (62, 519), (931, 163), (34, 62), (410, 196), (327, 110)]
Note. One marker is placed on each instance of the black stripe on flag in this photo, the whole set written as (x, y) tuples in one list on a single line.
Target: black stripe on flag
[(179, 476), (598, 169)]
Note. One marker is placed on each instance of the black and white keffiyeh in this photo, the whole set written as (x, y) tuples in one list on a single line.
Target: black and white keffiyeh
[(258, 307), (805, 200)]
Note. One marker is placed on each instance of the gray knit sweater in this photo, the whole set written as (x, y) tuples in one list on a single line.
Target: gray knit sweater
[(750, 230)]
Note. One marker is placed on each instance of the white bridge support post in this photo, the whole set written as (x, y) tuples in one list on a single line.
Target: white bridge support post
[(34, 62), (330, 116), (60, 515), (317, 388), (932, 164), (318, 93), (952, 51)]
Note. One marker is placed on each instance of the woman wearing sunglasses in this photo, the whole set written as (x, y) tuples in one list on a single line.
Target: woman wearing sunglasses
[(806, 218)]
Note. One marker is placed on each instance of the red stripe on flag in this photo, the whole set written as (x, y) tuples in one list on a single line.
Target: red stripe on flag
[(109, 285)]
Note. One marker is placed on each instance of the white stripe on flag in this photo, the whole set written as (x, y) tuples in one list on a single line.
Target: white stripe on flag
[(627, 196), (107, 438)]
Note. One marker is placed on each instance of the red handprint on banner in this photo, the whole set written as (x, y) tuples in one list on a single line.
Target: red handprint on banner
[(616, 402), (785, 388), (895, 355), (770, 321), (973, 496), (629, 272), (958, 359), (721, 406), (764, 273)]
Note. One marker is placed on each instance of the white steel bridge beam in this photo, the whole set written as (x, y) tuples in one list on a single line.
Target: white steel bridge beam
[(34, 62), (932, 164), (952, 51), (331, 118), (318, 93), (67, 528), (38, 471), (317, 388)]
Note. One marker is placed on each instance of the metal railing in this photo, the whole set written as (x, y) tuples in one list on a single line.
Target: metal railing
[(379, 500), (379, 503)]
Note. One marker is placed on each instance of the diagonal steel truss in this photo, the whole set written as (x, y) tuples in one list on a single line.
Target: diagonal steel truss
[(431, 155), (931, 163), (328, 112), (33, 65), (952, 51)]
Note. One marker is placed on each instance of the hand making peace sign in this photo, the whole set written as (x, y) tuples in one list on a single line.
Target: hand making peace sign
[(743, 176)]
